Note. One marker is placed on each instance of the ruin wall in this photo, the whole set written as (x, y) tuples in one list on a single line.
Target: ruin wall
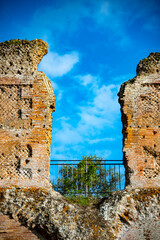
[(140, 106), (26, 104), (29, 207)]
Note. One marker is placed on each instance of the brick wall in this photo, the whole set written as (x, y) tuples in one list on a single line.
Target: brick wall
[(26, 105), (140, 107), (11, 229)]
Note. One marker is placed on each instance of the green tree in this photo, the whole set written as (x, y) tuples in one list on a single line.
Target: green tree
[(88, 178)]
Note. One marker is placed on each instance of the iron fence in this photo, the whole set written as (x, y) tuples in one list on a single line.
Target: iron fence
[(87, 178)]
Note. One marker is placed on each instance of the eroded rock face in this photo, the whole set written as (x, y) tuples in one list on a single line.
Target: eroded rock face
[(26, 104), (140, 107), (133, 214), (49, 216), (128, 214)]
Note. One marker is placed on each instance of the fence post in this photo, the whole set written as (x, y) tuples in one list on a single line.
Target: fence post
[(86, 179)]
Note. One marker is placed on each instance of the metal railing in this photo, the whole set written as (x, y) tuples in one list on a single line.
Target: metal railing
[(87, 178)]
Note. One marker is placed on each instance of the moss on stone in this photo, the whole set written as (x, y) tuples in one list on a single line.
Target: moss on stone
[(16, 41)]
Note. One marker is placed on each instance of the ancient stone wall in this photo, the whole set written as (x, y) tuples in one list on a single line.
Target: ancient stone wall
[(140, 107), (26, 104), (29, 208)]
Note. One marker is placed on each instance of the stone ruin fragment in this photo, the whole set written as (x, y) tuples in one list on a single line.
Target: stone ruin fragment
[(29, 208), (140, 107), (26, 104)]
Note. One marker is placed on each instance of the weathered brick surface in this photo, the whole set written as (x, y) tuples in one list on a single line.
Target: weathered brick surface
[(26, 104), (140, 107), (11, 229)]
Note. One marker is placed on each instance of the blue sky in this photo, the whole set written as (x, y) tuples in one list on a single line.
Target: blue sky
[(94, 46)]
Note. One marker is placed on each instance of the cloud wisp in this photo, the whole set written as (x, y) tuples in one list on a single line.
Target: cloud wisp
[(55, 65), (86, 79)]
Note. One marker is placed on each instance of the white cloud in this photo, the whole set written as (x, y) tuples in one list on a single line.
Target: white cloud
[(102, 110), (106, 98), (54, 85), (62, 119), (86, 79), (56, 65), (58, 95), (57, 91), (68, 135), (97, 140), (61, 153), (90, 120)]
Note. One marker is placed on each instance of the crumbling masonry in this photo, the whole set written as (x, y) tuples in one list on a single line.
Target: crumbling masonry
[(26, 104), (140, 107), (29, 208)]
